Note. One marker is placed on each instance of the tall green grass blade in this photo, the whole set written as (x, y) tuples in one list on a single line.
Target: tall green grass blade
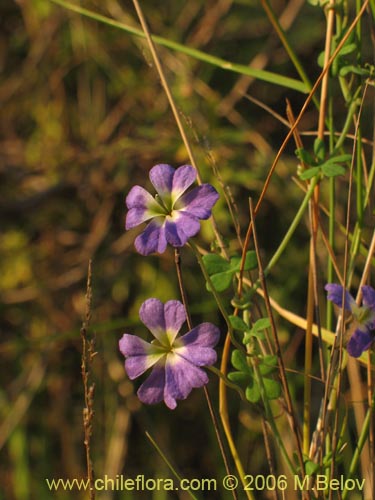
[(266, 76)]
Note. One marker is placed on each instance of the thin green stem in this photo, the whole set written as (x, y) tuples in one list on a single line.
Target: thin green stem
[(302, 209), (347, 125), (168, 463)]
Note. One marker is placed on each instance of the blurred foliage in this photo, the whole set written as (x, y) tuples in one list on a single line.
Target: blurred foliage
[(83, 118)]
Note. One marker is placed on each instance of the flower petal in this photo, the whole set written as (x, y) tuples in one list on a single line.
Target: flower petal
[(138, 197), (142, 206), (180, 227), (181, 377), (151, 314), (368, 296), (335, 293), (136, 216), (175, 317), (199, 201), (161, 177), (152, 239), (152, 389), (183, 177), (360, 341), (197, 345), (140, 355)]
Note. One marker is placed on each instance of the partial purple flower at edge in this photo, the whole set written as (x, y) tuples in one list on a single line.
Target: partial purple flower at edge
[(175, 361), (364, 316), (174, 214)]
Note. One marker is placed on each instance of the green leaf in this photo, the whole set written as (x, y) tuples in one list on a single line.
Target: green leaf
[(272, 388), (311, 467), (339, 159), (249, 335), (304, 156), (235, 264), (239, 377), (215, 263), (332, 169), (252, 392), (348, 48), (319, 149), (320, 59), (353, 69), (309, 173), (257, 330), (261, 324), (238, 323), (221, 281), (268, 365), (239, 361), (251, 261)]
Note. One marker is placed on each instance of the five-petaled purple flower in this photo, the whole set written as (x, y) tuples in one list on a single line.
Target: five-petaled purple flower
[(176, 361), (364, 316), (175, 214)]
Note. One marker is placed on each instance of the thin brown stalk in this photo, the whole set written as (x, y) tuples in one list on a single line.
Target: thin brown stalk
[(267, 446), (88, 353), (325, 80), (168, 93)]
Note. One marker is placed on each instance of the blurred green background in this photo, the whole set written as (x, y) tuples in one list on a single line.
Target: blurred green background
[(83, 118)]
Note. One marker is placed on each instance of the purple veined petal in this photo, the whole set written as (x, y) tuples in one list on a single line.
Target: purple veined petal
[(181, 377), (199, 201), (335, 293), (359, 342), (180, 227), (368, 296), (161, 177), (138, 197), (152, 239), (175, 317), (142, 207), (140, 355), (183, 178), (152, 389), (136, 216), (151, 314), (197, 345), (197, 355)]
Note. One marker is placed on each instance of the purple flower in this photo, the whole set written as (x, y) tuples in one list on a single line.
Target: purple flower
[(364, 316), (176, 361), (174, 214)]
